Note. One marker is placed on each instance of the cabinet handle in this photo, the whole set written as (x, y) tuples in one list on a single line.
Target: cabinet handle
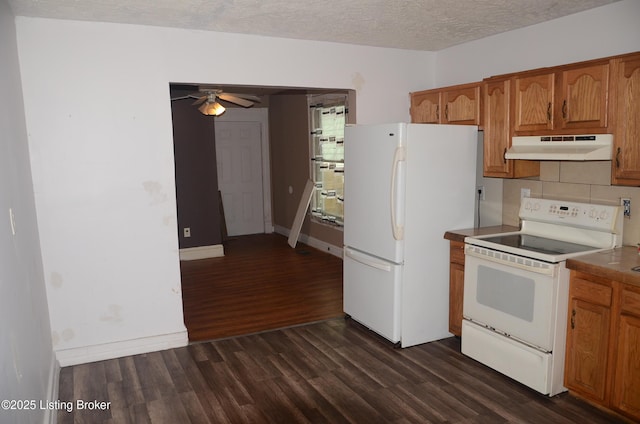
[(564, 110), (573, 319), (549, 112), (446, 112), (504, 155), (438, 112), (618, 158)]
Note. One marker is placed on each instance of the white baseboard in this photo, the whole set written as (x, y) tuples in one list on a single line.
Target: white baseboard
[(201, 252), (50, 414), (83, 355), (311, 241)]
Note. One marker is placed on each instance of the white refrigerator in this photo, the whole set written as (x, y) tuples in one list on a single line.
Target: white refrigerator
[(405, 185)]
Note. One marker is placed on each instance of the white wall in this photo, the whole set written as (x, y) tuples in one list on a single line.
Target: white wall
[(99, 128), (99, 124), (27, 364), (600, 32), (604, 31)]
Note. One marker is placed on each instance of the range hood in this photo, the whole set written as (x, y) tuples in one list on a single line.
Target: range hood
[(561, 147)]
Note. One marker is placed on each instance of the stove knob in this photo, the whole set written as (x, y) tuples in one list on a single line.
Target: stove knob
[(604, 215), (593, 213)]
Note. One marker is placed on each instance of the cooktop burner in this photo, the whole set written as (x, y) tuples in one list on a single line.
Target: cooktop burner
[(539, 244)]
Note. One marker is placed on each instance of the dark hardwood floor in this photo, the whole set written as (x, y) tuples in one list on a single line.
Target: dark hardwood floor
[(332, 371), (260, 284)]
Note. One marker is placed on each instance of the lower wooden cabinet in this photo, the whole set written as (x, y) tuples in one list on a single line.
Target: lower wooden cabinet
[(626, 387), (588, 337), (603, 343), (456, 286)]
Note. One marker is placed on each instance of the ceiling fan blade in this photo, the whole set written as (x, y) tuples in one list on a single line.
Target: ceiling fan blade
[(233, 99), (200, 100), (244, 96)]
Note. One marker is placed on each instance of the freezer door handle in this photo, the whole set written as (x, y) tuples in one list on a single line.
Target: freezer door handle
[(396, 229), (366, 260)]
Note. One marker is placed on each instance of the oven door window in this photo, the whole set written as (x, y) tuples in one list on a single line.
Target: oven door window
[(506, 292), (511, 299)]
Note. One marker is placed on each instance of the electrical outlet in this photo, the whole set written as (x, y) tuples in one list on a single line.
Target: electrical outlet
[(525, 192), (187, 231), (626, 206), (480, 191)]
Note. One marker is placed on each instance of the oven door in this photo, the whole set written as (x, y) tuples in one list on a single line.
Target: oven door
[(512, 295)]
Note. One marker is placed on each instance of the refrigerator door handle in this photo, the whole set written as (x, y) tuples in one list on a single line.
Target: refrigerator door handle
[(365, 260), (398, 156)]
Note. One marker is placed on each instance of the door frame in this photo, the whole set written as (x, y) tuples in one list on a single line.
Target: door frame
[(261, 116)]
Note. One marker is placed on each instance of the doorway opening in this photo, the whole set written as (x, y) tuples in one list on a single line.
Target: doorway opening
[(242, 174)]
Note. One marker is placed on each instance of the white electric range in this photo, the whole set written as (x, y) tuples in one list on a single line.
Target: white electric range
[(516, 287)]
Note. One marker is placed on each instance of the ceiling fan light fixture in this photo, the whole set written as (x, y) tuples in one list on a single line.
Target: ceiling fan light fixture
[(212, 109)]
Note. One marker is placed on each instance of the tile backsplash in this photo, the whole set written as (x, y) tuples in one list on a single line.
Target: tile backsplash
[(587, 182)]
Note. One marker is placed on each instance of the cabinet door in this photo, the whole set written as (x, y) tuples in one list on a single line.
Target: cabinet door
[(425, 107), (587, 343), (456, 296), (626, 148), (626, 387), (626, 383), (461, 106), (585, 93), (534, 103), (456, 287), (497, 136)]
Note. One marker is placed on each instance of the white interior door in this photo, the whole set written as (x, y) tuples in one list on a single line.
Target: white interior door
[(239, 160)]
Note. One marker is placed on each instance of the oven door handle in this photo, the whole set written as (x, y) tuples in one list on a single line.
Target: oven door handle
[(516, 261)]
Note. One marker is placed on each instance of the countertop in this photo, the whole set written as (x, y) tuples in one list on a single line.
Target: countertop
[(612, 264), (459, 235)]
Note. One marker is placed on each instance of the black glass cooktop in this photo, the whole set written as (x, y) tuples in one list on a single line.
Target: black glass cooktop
[(539, 244)]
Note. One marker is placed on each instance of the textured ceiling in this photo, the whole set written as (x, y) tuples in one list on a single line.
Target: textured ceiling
[(407, 24)]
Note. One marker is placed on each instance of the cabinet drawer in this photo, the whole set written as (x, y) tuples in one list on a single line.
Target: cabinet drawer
[(456, 252), (598, 294), (630, 302)]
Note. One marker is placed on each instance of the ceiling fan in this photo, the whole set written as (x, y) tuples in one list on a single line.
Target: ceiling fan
[(208, 99)]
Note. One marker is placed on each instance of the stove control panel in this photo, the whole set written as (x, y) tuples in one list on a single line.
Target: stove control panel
[(585, 215)]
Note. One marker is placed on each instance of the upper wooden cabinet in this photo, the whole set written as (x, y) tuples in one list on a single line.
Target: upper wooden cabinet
[(459, 104), (497, 133), (562, 100), (584, 98), (534, 98), (625, 81), (595, 97), (425, 107)]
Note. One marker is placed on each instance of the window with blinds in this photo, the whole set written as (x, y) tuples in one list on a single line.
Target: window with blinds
[(327, 117)]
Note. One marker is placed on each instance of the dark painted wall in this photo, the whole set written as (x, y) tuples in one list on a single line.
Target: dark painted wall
[(290, 164), (196, 175)]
